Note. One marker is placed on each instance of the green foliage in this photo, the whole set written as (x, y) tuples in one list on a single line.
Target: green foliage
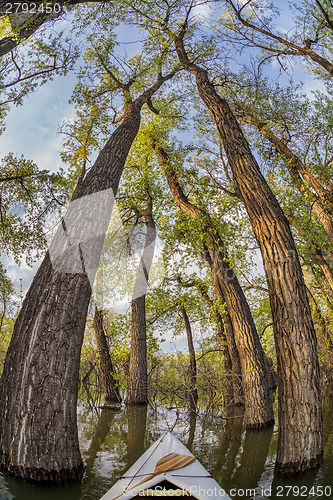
[(113, 72), (27, 197), (24, 70), (7, 308)]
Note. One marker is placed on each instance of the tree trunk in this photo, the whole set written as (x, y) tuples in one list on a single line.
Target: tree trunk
[(38, 388), (320, 203), (258, 405), (237, 379), (191, 389), (300, 444), (110, 388), (39, 383), (232, 365), (138, 384)]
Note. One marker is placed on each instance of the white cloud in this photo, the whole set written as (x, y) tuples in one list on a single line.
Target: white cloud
[(31, 129), (203, 11)]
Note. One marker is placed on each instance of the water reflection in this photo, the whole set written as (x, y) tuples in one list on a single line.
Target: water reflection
[(137, 421), (253, 458), (192, 426), (241, 461), (101, 431), (229, 447)]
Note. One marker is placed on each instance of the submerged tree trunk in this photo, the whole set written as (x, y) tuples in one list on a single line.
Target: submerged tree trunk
[(110, 388), (191, 389), (39, 383), (300, 444), (38, 388), (258, 404), (226, 336), (138, 384)]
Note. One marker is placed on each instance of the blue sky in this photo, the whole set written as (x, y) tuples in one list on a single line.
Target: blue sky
[(31, 129)]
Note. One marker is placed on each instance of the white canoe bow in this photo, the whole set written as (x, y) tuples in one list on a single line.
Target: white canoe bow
[(190, 481)]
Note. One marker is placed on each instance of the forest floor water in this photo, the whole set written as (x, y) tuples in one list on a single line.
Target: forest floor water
[(241, 461)]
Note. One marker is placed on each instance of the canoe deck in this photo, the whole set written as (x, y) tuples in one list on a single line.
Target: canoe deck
[(160, 473)]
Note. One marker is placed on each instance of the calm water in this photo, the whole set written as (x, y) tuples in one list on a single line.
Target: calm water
[(111, 441)]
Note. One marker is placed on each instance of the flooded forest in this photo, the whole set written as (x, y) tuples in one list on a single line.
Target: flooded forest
[(166, 216)]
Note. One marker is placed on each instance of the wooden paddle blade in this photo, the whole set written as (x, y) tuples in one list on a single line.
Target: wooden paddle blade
[(173, 461)]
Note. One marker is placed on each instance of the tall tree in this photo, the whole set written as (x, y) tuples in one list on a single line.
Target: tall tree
[(258, 406), (191, 389), (38, 388), (300, 418), (138, 384), (110, 388)]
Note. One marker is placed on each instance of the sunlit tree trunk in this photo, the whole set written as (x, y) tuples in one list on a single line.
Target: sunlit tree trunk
[(38, 388), (300, 444), (138, 384), (39, 383), (228, 341), (191, 389), (258, 405), (110, 388)]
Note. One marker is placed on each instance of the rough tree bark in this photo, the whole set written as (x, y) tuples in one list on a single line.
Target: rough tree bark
[(38, 387), (232, 364), (138, 384), (317, 255), (300, 444), (110, 388), (258, 405), (320, 201), (191, 390)]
